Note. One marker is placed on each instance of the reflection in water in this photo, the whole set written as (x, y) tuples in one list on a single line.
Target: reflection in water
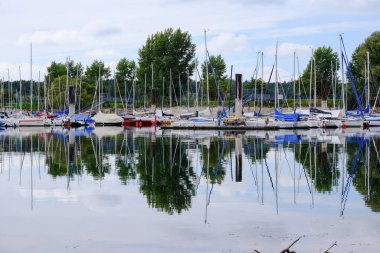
[(165, 164), (285, 178)]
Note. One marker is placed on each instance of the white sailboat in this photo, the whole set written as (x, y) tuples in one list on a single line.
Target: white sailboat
[(107, 119), (204, 119), (371, 120), (27, 120)]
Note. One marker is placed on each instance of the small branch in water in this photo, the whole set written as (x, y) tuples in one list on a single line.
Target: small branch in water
[(332, 246), (287, 249)]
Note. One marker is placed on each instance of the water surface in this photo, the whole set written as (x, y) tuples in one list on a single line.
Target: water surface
[(139, 190)]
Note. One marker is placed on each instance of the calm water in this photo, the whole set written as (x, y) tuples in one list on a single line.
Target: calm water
[(114, 190)]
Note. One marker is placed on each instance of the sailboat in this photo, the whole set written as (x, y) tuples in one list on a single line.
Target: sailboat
[(204, 119), (350, 120), (283, 120), (106, 119), (144, 119), (27, 120), (370, 120)]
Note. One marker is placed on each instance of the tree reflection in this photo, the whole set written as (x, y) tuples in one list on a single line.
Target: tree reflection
[(320, 162), (164, 165), (366, 178), (167, 179)]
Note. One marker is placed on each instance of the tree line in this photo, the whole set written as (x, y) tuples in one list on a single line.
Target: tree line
[(166, 65)]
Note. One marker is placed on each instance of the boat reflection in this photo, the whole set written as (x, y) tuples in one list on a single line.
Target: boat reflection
[(172, 167)]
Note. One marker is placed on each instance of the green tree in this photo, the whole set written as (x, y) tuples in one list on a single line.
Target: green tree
[(125, 70), (169, 50), (219, 67), (93, 71), (91, 75), (324, 57), (359, 56), (56, 79), (125, 73), (58, 69)]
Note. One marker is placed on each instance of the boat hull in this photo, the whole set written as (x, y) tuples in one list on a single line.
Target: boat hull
[(140, 123)]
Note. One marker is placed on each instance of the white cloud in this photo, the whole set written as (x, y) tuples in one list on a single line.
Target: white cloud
[(103, 29), (59, 37), (228, 42), (346, 6), (286, 49), (100, 53), (24, 68), (237, 28)]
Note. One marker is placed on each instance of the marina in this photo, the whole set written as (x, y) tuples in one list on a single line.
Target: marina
[(190, 126), (219, 191)]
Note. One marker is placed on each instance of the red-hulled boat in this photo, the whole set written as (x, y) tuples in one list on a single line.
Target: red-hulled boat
[(130, 121)]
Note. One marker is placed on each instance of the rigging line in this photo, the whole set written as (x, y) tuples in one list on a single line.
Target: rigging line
[(307, 180), (287, 161), (122, 145), (349, 179), (285, 96), (270, 177), (218, 165), (251, 165), (300, 78), (118, 89), (175, 152)]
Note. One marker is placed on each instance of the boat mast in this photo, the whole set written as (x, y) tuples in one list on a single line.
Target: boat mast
[(152, 82), (114, 90), (180, 89), (144, 91), (196, 85), (170, 89), (332, 82), (80, 92), (343, 79), (262, 80), (31, 78), (315, 83), (276, 81), (294, 81), (45, 108), (19, 72), (335, 76), (99, 91), (9, 92), (255, 87), (311, 76), (207, 84), (38, 91), (368, 87), (188, 92), (134, 91), (299, 83), (67, 83), (163, 91)]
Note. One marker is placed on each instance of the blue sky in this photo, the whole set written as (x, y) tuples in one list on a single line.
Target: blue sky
[(109, 30)]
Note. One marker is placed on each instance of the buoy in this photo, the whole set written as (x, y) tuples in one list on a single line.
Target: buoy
[(344, 126), (137, 124), (140, 124)]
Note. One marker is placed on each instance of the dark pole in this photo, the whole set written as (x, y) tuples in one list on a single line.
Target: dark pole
[(229, 99)]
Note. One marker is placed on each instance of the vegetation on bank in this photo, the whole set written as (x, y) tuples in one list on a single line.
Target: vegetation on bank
[(167, 66)]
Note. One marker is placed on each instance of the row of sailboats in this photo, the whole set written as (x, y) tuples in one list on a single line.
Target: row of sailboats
[(311, 117)]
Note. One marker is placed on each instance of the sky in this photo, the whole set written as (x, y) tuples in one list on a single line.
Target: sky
[(87, 30)]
